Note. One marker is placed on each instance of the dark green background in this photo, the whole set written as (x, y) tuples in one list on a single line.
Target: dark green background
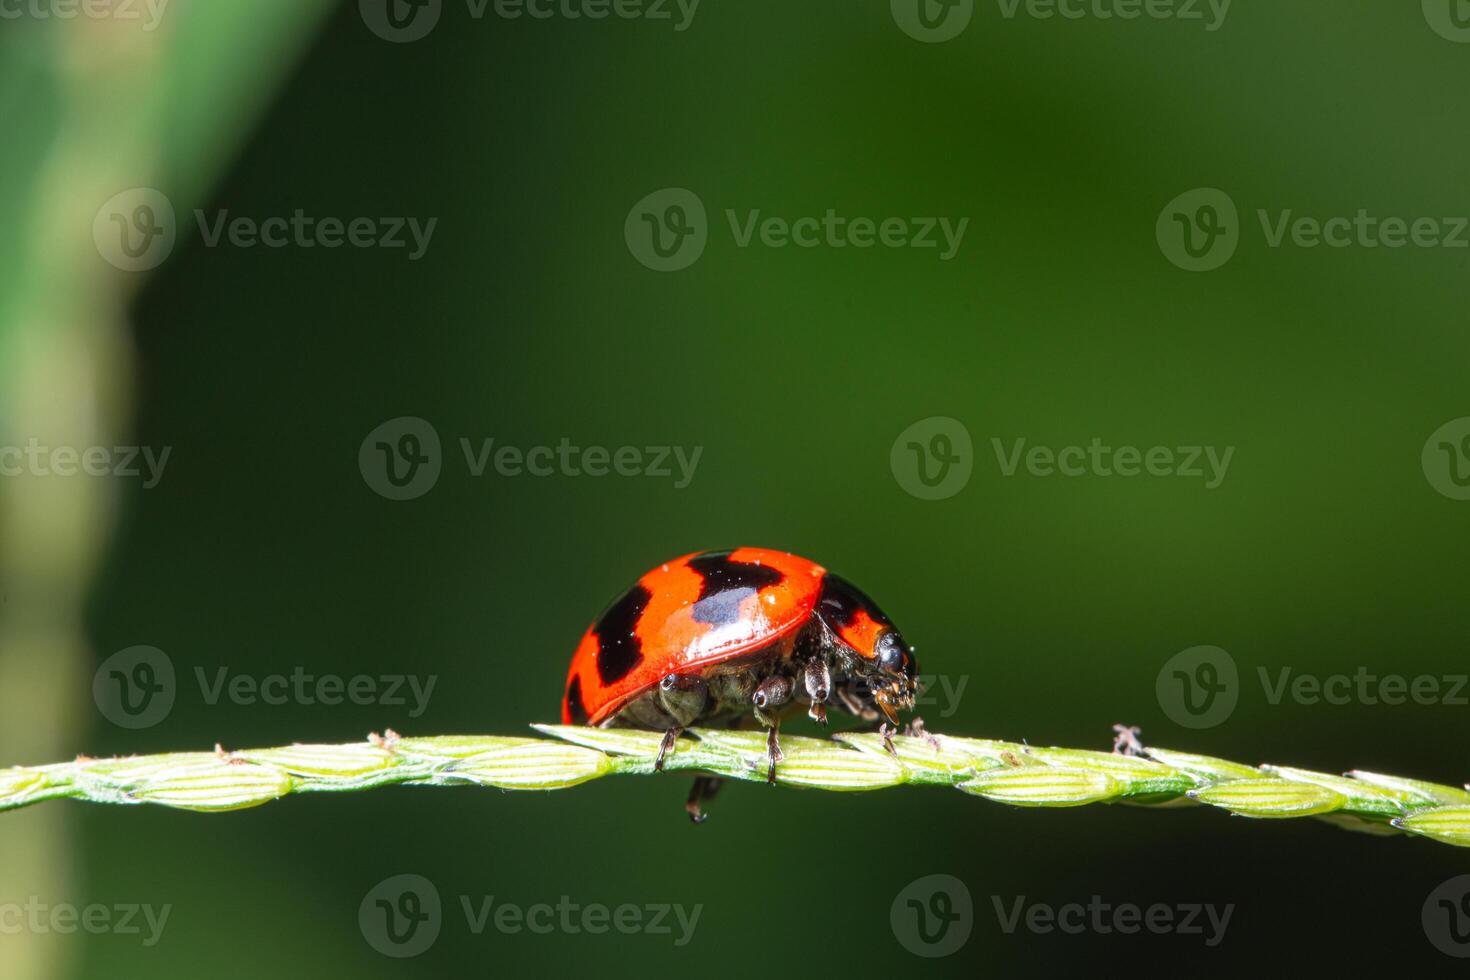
[(1059, 599)]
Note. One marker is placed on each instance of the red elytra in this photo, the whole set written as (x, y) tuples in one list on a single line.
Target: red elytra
[(714, 634), (700, 610), (719, 613)]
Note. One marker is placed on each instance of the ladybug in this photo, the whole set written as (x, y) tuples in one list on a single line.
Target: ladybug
[(710, 636)]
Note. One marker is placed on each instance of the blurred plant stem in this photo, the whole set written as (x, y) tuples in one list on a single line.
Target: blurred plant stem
[(134, 108), (66, 365)]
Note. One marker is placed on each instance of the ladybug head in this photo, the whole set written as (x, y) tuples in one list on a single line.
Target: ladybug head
[(878, 654), (894, 682)]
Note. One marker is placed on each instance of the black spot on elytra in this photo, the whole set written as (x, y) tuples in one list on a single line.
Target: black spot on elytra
[(727, 584), (841, 601), (576, 707), (618, 647)]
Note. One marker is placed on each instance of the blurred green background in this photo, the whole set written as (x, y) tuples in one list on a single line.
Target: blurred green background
[(1056, 600)]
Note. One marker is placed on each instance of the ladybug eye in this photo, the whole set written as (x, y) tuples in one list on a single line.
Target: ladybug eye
[(890, 652)]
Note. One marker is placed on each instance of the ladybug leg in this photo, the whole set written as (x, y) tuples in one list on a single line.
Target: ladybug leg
[(704, 790), (773, 752), (666, 746), (771, 694), (682, 697), (817, 679), (886, 730), (853, 705)]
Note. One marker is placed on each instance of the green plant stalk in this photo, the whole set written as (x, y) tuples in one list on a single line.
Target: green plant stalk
[(1005, 772)]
